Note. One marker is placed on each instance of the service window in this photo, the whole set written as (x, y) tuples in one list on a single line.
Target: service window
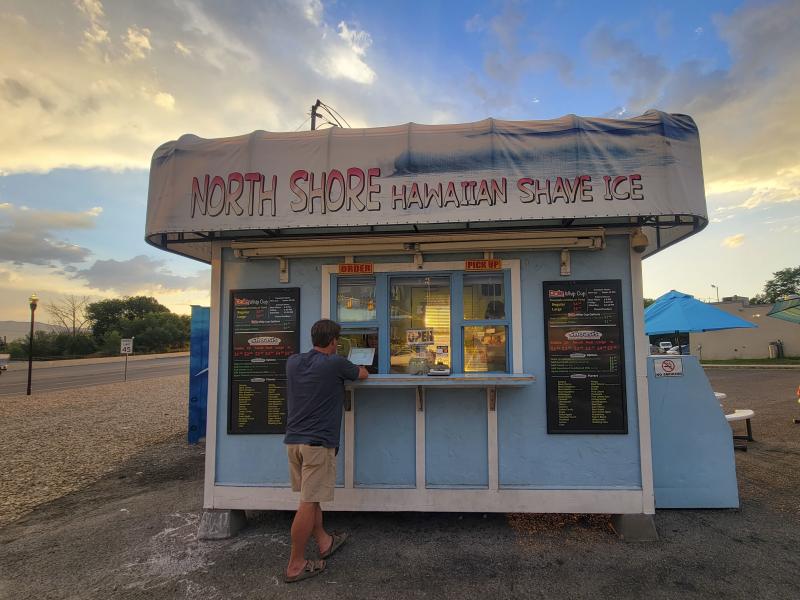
[(355, 300), (486, 341), (353, 340), (419, 330), (484, 297), (485, 348), (415, 323)]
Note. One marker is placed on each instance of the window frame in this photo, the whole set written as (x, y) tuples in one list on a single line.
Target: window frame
[(506, 321), (385, 272)]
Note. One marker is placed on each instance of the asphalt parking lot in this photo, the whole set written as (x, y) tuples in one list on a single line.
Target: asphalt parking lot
[(131, 534)]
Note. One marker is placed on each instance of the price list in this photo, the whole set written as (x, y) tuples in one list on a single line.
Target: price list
[(584, 356), (264, 332)]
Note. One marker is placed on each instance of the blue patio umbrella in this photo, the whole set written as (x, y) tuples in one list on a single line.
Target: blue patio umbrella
[(676, 312), (787, 309)]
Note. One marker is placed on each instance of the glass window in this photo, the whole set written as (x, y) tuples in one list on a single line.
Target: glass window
[(419, 311), (359, 338), (485, 349), (355, 300), (484, 297)]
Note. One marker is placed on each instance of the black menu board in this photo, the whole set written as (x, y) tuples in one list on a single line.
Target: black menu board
[(584, 357), (264, 332)]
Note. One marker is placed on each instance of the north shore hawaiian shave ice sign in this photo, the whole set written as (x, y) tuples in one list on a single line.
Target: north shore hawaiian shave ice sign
[(356, 190), (486, 171), (264, 333), (584, 357)]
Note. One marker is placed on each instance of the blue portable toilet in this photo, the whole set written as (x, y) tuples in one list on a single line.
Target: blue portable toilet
[(198, 373)]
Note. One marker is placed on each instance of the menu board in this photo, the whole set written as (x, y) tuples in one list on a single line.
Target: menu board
[(264, 332), (584, 354)]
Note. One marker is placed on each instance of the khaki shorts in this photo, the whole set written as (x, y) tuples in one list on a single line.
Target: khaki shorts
[(313, 471)]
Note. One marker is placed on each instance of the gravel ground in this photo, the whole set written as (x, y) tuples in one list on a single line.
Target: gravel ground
[(131, 534), (45, 451)]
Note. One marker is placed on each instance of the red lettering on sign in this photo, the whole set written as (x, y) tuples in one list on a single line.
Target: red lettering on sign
[(356, 269), (485, 264)]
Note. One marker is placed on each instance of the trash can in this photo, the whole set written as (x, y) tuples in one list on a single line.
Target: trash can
[(773, 350)]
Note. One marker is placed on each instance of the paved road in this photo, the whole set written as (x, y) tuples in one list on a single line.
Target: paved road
[(73, 376)]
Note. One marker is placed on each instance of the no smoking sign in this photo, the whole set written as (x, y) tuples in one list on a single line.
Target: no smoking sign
[(668, 367)]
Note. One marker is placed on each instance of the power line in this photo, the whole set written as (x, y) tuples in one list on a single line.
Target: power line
[(303, 123), (329, 116), (330, 108)]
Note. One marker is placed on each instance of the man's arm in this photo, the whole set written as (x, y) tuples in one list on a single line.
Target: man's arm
[(348, 370)]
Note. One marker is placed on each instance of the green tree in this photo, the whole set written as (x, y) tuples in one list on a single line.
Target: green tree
[(78, 344), (648, 302), (53, 344), (111, 342), (106, 315), (136, 307), (783, 283), (157, 331)]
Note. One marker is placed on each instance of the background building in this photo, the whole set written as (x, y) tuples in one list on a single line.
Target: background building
[(746, 343)]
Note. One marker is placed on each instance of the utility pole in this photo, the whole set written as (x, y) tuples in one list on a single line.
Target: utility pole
[(314, 114)]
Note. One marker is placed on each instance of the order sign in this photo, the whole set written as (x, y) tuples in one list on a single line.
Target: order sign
[(356, 268)]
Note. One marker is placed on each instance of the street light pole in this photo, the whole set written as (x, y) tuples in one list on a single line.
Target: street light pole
[(716, 288), (34, 300)]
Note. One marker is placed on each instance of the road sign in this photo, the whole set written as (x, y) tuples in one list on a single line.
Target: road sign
[(126, 346)]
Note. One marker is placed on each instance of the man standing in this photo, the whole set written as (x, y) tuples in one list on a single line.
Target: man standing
[(315, 396)]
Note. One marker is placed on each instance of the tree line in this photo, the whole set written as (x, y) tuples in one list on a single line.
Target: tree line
[(85, 328), (785, 282)]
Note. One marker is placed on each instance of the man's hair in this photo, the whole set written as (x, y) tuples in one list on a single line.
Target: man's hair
[(323, 332)]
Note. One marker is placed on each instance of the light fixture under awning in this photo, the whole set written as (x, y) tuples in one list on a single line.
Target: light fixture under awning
[(572, 239)]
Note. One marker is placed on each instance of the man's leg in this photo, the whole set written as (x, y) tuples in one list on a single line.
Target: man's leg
[(324, 541), (304, 523)]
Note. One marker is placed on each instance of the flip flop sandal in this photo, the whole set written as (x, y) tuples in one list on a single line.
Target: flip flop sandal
[(338, 540), (312, 569)]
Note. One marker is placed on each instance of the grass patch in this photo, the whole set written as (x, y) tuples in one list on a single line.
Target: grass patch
[(787, 360)]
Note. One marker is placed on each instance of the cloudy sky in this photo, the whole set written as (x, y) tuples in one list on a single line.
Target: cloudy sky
[(89, 89)]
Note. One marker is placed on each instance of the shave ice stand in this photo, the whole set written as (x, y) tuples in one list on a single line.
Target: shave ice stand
[(488, 275)]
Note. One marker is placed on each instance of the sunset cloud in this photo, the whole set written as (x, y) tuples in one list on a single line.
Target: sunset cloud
[(733, 241), (137, 43), (111, 89), (182, 49), (28, 236), (139, 274), (746, 112), (347, 60), (50, 283)]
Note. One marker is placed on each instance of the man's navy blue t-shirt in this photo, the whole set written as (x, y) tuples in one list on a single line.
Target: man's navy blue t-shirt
[(315, 396)]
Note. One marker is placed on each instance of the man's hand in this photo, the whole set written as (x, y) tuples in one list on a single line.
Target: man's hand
[(362, 373)]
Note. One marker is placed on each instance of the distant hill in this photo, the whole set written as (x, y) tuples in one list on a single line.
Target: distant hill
[(18, 329)]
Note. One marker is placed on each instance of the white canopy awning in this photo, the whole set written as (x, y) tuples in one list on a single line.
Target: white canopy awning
[(567, 172)]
